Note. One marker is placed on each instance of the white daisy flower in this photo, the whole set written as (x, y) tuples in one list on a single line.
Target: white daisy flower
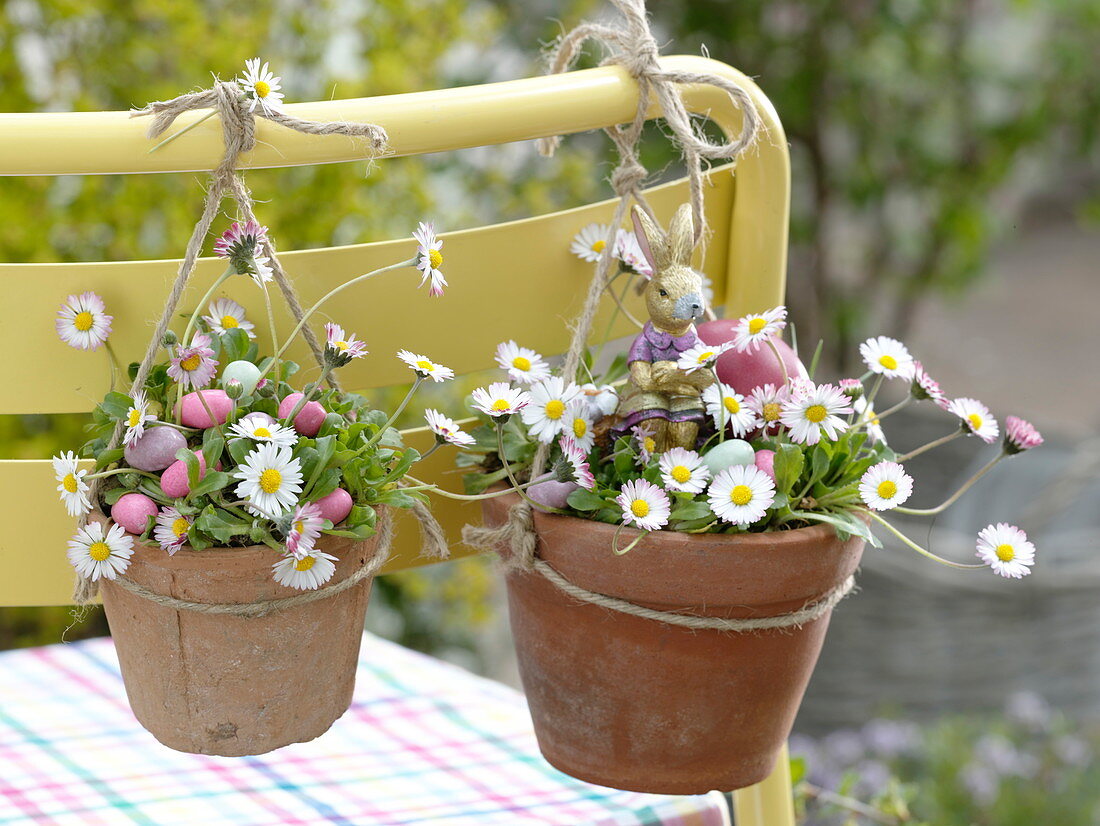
[(629, 251), (500, 400), (766, 403), (225, 315), (887, 356), (271, 480), (430, 258), (602, 401), (576, 459), (522, 363), (925, 387), (589, 244), (309, 572), (869, 420), (644, 443), (261, 86), (683, 470), (702, 355), (97, 554), (741, 494), (136, 418), (545, 415), (644, 505), (755, 329), (1006, 549), (425, 367), (171, 530), (885, 486), (260, 428), (82, 322), (447, 430), (194, 366), (814, 412), (578, 424), (976, 418), (71, 484), (727, 407), (305, 528)]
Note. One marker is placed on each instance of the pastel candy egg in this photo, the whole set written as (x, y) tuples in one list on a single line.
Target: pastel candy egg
[(193, 414), (551, 492), (753, 368), (174, 480), (309, 420), (156, 449), (728, 453), (336, 506), (247, 373), (765, 460), (132, 511)]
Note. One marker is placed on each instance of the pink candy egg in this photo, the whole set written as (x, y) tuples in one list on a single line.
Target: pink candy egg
[(193, 414), (174, 480), (765, 460), (156, 449), (746, 371), (309, 420), (336, 506), (132, 510)]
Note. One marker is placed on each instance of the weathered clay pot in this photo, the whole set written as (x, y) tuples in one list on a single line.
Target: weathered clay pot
[(227, 685), (636, 704)]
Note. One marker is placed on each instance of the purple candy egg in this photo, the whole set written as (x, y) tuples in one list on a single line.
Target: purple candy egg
[(156, 449), (550, 492), (132, 510)]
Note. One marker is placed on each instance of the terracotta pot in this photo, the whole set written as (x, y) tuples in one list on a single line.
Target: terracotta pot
[(232, 686), (640, 705)]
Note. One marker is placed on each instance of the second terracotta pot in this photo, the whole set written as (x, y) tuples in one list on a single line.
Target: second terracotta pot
[(641, 705), (228, 685)]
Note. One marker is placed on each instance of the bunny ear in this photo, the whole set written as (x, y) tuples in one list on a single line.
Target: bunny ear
[(651, 238), (681, 236)]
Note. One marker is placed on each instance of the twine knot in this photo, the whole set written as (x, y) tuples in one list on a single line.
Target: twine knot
[(517, 534)]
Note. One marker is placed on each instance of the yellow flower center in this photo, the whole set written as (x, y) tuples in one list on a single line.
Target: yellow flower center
[(521, 363), (772, 412), (706, 355), (889, 362), (501, 404), (84, 321), (229, 322), (134, 419), (640, 508), (435, 258), (299, 526), (262, 433), (1006, 553), (580, 428), (180, 527), (263, 88), (975, 421), (340, 345), (192, 362), (816, 413), (304, 564), (99, 551), (70, 483), (741, 495), (731, 404), (271, 480), (425, 365), (650, 444), (887, 489), (756, 325), (599, 246), (680, 473), (555, 408)]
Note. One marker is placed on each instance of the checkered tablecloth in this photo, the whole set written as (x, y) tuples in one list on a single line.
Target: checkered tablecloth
[(424, 742)]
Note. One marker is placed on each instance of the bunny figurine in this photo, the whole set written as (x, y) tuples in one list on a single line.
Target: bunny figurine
[(659, 395)]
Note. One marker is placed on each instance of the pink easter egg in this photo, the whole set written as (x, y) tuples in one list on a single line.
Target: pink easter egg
[(336, 506), (309, 420), (550, 492), (765, 460), (744, 372), (193, 414), (156, 449), (174, 480), (132, 510)]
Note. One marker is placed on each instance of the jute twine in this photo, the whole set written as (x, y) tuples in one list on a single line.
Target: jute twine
[(631, 44), (239, 135)]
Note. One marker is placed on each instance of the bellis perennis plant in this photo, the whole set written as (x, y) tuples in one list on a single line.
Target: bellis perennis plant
[(778, 456), (222, 448)]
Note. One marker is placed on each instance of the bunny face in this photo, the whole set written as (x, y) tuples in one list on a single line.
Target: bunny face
[(674, 294)]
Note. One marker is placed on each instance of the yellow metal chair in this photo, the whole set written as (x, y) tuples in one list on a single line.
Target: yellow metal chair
[(523, 266)]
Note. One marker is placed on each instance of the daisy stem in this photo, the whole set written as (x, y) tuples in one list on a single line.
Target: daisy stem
[(874, 390), (615, 540), (955, 497), (210, 413), (516, 486), (614, 313), (116, 368), (894, 409), (306, 396), (305, 316), (721, 404), (184, 130), (620, 307), (181, 427), (782, 364), (935, 443), (205, 299), (400, 408), (918, 548), (421, 485), (105, 473), (274, 342)]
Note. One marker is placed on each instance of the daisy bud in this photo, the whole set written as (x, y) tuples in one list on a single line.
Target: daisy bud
[(852, 388), (265, 388), (170, 339), (1020, 435), (233, 388)]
